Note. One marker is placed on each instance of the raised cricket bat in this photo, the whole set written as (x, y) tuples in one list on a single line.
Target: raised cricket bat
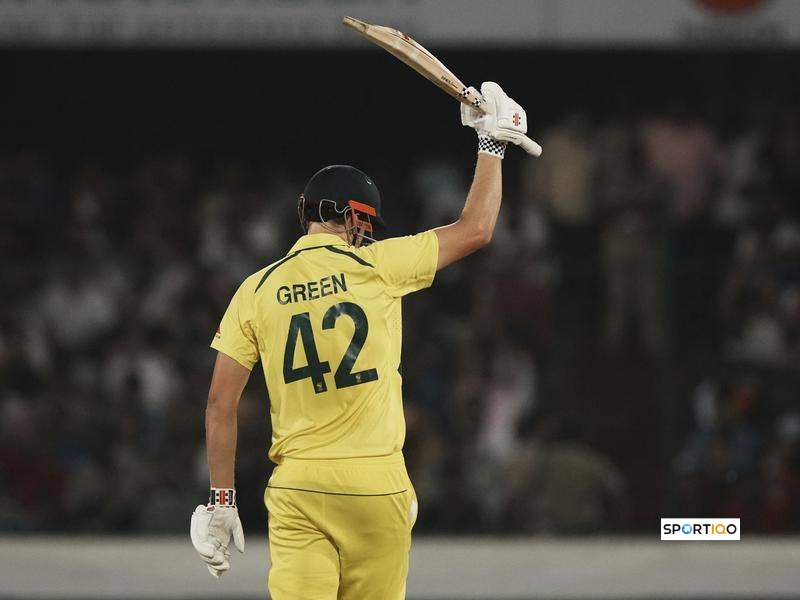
[(426, 64)]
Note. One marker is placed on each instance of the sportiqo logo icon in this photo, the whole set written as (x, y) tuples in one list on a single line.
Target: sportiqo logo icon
[(688, 530)]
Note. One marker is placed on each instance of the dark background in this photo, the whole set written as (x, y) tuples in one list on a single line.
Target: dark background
[(258, 103)]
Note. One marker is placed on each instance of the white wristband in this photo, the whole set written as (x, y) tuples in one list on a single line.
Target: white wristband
[(487, 145)]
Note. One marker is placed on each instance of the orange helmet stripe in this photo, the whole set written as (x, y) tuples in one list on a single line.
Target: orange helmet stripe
[(361, 207)]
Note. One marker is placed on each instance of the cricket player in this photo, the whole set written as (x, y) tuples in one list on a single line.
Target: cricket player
[(325, 323)]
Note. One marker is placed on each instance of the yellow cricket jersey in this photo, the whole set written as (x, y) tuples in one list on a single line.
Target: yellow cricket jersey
[(325, 321)]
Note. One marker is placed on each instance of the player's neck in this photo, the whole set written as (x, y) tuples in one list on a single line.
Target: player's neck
[(332, 229)]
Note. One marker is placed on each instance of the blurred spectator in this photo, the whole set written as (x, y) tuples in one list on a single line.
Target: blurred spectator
[(632, 242), (559, 186), (683, 153), (557, 484), (562, 177)]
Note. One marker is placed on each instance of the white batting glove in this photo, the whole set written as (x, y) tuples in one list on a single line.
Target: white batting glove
[(505, 121), (211, 531)]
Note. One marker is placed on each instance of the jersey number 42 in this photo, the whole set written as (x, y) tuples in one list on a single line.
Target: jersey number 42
[(316, 369)]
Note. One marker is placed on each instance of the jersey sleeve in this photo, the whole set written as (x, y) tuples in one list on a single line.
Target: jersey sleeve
[(407, 264), (235, 335)]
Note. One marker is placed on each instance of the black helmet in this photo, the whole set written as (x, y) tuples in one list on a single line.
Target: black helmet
[(334, 190)]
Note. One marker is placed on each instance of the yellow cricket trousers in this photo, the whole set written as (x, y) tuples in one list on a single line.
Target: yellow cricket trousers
[(340, 529)]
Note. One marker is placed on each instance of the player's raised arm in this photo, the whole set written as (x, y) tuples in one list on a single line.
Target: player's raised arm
[(505, 121), (474, 228)]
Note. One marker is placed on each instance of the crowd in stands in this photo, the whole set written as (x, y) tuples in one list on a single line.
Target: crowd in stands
[(628, 346)]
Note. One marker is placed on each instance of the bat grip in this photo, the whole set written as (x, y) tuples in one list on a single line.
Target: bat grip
[(473, 99)]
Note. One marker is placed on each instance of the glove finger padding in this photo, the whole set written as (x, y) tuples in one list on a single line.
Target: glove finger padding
[(469, 114), (220, 570), (512, 118), (216, 574), (478, 120), (199, 533), (238, 535), (512, 122), (219, 559), (211, 530)]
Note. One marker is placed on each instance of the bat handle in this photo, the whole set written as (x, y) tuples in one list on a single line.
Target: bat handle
[(472, 97)]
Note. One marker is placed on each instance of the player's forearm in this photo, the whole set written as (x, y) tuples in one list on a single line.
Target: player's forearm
[(221, 442), (479, 216), (227, 385)]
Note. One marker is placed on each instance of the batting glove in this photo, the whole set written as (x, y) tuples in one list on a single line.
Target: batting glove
[(211, 530), (504, 121)]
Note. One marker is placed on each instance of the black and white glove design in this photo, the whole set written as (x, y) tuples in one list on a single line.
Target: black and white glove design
[(505, 122), (487, 145)]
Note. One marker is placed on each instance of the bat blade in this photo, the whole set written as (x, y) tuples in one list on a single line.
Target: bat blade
[(416, 56)]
